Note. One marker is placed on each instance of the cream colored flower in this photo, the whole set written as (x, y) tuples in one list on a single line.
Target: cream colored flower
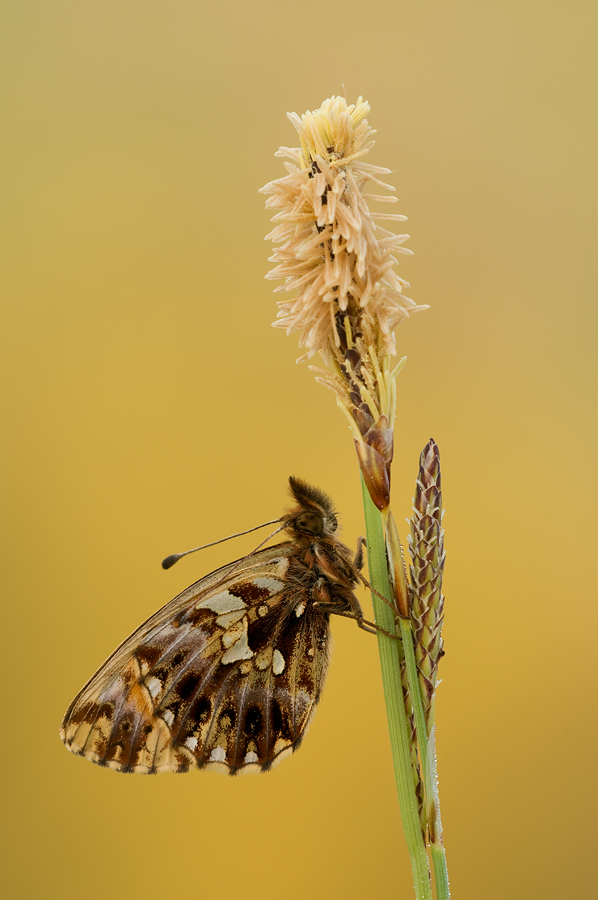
[(333, 254)]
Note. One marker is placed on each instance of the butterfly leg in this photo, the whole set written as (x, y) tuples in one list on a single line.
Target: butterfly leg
[(371, 588), (358, 561), (372, 628), (362, 623), (344, 603)]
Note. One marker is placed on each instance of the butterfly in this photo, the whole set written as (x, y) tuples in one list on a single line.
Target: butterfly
[(228, 674)]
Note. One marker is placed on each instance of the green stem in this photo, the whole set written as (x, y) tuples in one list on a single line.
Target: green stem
[(398, 726), (440, 872), (428, 760)]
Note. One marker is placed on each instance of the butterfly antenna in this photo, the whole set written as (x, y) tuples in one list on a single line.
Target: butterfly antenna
[(174, 557), (240, 562)]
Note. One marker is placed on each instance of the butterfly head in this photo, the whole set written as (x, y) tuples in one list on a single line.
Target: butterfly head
[(314, 515)]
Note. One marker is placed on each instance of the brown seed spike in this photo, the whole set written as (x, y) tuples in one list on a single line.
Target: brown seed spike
[(426, 544)]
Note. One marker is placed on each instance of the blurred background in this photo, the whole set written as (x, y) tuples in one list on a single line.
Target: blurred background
[(150, 407)]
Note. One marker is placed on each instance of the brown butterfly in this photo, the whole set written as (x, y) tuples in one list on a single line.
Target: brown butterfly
[(228, 674)]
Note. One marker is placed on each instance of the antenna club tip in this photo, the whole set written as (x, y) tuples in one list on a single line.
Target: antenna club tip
[(170, 560)]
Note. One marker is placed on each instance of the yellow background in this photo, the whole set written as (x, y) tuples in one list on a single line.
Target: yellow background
[(150, 407)]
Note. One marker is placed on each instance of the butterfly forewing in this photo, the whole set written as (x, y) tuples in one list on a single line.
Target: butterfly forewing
[(226, 675)]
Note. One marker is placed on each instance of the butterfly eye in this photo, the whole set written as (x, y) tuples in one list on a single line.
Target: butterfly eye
[(332, 522), (310, 522)]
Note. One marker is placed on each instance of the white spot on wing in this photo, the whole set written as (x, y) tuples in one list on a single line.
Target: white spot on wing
[(153, 686), (218, 754), (234, 633), (240, 649), (168, 717), (222, 602), (230, 618), (278, 662), (271, 584), (279, 565), (300, 608), (191, 743), (251, 757)]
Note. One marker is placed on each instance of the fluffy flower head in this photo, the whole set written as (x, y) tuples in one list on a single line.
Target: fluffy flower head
[(332, 253)]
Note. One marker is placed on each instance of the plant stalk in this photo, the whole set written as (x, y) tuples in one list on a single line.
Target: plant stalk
[(398, 726), (427, 747)]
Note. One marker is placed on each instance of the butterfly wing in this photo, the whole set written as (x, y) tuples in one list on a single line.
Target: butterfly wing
[(226, 675)]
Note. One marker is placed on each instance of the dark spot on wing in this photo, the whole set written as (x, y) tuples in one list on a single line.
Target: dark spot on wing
[(280, 722), (88, 714), (279, 618), (178, 658), (249, 591), (253, 721), (201, 711), (187, 685), (194, 616), (277, 721), (148, 654), (106, 710)]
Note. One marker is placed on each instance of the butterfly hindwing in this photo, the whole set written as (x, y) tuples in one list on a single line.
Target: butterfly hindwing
[(226, 675)]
